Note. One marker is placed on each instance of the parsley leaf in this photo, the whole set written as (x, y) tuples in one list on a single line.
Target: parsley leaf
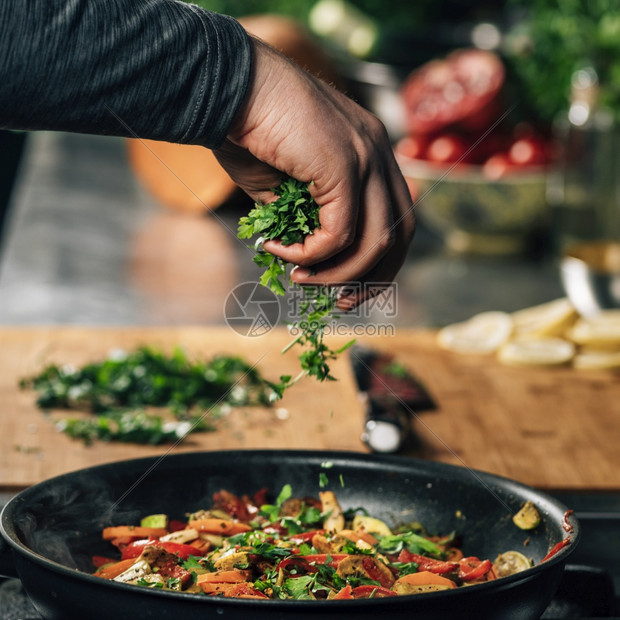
[(290, 218), (410, 541)]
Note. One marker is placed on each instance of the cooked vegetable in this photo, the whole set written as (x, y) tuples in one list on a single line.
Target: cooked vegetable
[(290, 218), (528, 518), (511, 562), (277, 552)]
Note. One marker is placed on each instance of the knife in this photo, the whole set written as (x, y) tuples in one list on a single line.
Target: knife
[(391, 394)]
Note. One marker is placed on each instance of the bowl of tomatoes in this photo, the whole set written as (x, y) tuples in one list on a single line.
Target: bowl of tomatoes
[(475, 176)]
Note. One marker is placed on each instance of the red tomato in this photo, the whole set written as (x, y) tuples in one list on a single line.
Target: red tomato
[(528, 152), (321, 558), (134, 549), (464, 88), (368, 591), (344, 593), (471, 569), (172, 570), (447, 149), (306, 536), (497, 166), (439, 567), (175, 525), (413, 147)]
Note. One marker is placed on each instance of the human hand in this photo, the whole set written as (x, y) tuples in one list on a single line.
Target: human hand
[(293, 124)]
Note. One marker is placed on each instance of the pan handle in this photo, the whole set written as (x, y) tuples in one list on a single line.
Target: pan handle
[(7, 566)]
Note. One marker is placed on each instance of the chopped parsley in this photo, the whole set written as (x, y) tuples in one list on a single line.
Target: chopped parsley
[(290, 218), (119, 389)]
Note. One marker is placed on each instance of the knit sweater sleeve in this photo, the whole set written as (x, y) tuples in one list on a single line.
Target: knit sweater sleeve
[(157, 69)]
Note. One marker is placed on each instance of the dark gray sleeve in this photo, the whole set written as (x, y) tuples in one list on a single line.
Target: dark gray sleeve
[(158, 69)]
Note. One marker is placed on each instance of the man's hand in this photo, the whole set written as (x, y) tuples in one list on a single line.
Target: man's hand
[(293, 124)]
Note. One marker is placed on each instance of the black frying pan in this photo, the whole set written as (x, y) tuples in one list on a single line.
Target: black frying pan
[(54, 527)]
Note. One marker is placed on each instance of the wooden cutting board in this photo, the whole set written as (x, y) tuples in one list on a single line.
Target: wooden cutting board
[(326, 416), (555, 429)]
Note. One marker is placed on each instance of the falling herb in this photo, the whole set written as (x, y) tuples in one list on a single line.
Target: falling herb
[(119, 388), (290, 218)]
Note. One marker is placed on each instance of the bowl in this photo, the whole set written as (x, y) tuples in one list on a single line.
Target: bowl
[(475, 214), (590, 274)]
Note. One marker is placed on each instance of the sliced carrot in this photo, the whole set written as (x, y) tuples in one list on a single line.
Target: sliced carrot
[(232, 590), (224, 576), (215, 588), (109, 571), (244, 590), (425, 578), (100, 560), (202, 546), (344, 593), (135, 531), (220, 526)]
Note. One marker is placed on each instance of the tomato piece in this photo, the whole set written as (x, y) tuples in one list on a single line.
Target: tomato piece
[(231, 504), (134, 549), (175, 525), (447, 149), (171, 570), (368, 591), (321, 558), (296, 562), (497, 166), (260, 497), (344, 594), (471, 569), (464, 88), (244, 590), (557, 547), (529, 151), (413, 147), (439, 567), (305, 536)]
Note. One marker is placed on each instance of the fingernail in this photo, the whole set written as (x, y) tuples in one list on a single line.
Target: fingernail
[(301, 272)]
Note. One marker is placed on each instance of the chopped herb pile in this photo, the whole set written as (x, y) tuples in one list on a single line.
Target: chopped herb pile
[(290, 218), (119, 388)]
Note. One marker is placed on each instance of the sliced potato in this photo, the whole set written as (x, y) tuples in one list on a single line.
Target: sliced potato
[(483, 333), (181, 536), (544, 320), (137, 570), (602, 330), (376, 527), (597, 360), (543, 352), (408, 588)]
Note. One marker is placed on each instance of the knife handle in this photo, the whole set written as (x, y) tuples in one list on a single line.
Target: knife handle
[(386, 427)]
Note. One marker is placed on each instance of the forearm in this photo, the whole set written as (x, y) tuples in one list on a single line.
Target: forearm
[(157, 69)]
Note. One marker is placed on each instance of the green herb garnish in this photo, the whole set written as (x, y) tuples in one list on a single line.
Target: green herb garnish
[(119, 389), (290, 218), (409, 540)]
